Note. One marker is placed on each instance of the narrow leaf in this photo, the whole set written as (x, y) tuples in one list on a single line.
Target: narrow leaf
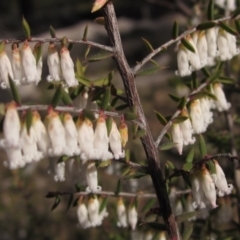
[(70, 201), (202, 146), (26, 28), (109, 124), (187, 166), (190, 156), (206, 25), (29, 118), (157, 226), (100, 56), (186, 177), (160, 118), (187, 45), (140, 133), (119, 187), (182, 103), (52, 31), (175, 30), (98, 4), (85, 33), (88, 114), (185, 216), (148, 205), (211, 167), (87, 51), (148, 44), (167, 146), (174, 97), (210, 10), (228, 29), (187, 232), (57, 96), (106, 98), (84, 81), (66, 98), (70, 46), (226, 80), (121, 107), (14, 91), (236, 12), (149, 71), (56, 202), (206, 72), (130, 116), (179, 119), (103, 204)]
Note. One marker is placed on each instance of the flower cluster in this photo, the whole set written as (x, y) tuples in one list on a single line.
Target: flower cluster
[(201, 115), (204, 186), (25, 66), (59, 135), (211, 44), (90, 215)]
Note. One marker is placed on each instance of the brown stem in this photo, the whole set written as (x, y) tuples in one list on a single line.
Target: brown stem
[(147, 141)]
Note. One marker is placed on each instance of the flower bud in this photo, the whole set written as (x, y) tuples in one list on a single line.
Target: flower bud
[(121, 213), (92, 178)]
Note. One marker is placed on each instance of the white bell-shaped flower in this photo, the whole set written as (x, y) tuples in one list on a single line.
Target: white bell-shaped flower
[(221, 103), (197, 117), (85, 138), (186, 129), (29, 63), (101, 140), (206, 111), (71, 136), (132, 216), (93, 212), (56, 133), (123, 130), (231, 5), (202, 48), (43, 141), (53, 61), (17, 63), (115, 142), (211, 36), (28, 142), (121, 214), (5, 69), (232, 44), (14, 158), (221, 183), (193, 58), (11, 126), (223, 47), (220, 3), (39, 63), (182, 61), (177, 137), (59, 172), (67, 67), (92, 178), (82, 214)]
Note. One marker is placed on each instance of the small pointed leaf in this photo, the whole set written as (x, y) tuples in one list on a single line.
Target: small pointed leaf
[(149, 71), (29, 118), (121, 107), (52, 31), (174, 97), (202, 146), (190, 156), (185, 216), (26, 28), (109, 124), (87, 51), (56, 202), (211, 167), (98, 4), (148, 44), (228, 29), (179, 119), (85, 33), (103, 204), (206, 25), (187, 45), (167, 146), (119, 187), (187, 232), (130, 116), (57, 96), (14, 91), (100, 21), (66, 98), (100, 56), (160, 118), (210, 10), (175, 30), (106, 98), (187, 166), (88, 114), (182, 103)]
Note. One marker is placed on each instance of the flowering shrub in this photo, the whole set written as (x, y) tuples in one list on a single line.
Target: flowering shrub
[(98, 136)]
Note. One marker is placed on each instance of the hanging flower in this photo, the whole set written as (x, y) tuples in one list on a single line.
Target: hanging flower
[(92, 178), (186, 129), (232, 44), (71, 135), (93, 209), (29, 63), (123, 130), (67, 66), (115, 142), (182, 61), (39, 63), (197, 117), (53, 62), (211, 36), (17, 63), (205, 105), (85, 138), (202, 48), (56, 133), (221, 103), (121, 213), (221, 183), (11, 126), (82, 214), (223, 47), (231, 5), (14, 158), (132, 216), (177, 137), (59, 172)]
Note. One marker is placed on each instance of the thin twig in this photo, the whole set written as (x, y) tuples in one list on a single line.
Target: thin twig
[(57, 40), (172, 41)]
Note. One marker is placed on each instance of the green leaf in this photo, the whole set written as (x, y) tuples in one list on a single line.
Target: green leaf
[(57, 96), (98, 4), (228, 29), (77, 91), (187, 166), (187, 231), (174, 97), (202, 146), (78, 187), (52, 31), (50, 195), (210, 10), (88, 114), (38, 49), (56, 202), (202, 94), (185, 216), (64, 42), (182, 103), (175, 30), (160, 118), (66, 98), (26, 28), (70, 201), (103, 204), (236, 13), (187, 45), (121, 107), (226, 80), (2, 109), (2, 46), (237, 25), (147, 206), (211, 167), (103, 164), (84, 81), (63, 158), (100, 56), (179, 119), (29, 118), (186, 176), (119, 187), (170, 164), (148, 44), (167, 146), (106, 98), (109, 124), (149, 71), (130, 116), (85, 33), (14, 91), (87, 51), (206, 72), (190, 156), (80, 68), (70, 46), (157, 226), (206, 25), (140, 133)]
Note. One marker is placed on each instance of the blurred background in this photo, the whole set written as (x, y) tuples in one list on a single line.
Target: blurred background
[(25, 213)]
